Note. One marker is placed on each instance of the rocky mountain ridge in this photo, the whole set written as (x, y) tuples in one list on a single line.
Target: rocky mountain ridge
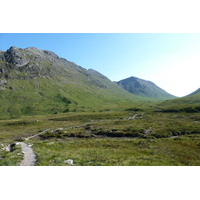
[(33, 61)]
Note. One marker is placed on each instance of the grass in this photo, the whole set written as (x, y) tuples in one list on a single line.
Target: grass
[(107, 138), (188, 104), (119, 152), (118, 124), (62, 89), (11, 158)]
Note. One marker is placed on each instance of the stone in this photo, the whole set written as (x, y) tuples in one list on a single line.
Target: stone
[(3, 81), (69, 162)]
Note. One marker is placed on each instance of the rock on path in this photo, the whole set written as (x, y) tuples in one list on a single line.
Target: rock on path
[(29, 155)]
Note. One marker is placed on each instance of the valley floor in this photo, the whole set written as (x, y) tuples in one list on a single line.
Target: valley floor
[(129, 138)]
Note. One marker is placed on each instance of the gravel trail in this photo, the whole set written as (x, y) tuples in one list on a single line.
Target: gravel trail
[(29, 155), (37, 134)]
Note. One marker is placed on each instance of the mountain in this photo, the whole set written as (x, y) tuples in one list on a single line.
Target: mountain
[(189, 103), (195, 92), (144, 88), (34, 81)]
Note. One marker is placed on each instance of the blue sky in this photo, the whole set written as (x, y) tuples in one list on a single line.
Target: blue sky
[(171, 61)]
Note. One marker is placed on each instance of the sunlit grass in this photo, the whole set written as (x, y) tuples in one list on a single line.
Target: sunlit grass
[(107, 138), (119, 152)]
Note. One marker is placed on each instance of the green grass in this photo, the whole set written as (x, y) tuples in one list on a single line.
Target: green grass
[(117, 124), (11, 158), (188, 104), (119, 152), (107, 138), (46, 96)]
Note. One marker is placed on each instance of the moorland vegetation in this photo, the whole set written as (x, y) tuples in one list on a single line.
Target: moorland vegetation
[(67, 112)]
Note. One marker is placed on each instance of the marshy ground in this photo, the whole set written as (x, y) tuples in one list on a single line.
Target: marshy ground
[(127, 138)]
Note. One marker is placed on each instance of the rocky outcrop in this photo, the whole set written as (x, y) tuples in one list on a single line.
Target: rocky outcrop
[(9, 147), (3, 84), (15, 57), (32, 62)]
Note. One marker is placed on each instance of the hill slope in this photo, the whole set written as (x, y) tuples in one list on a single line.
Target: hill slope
[(195, 92), (33, 81), (144, 88), (189, 103)]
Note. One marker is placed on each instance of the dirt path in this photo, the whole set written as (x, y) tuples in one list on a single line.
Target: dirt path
[(37, 134), (29, 155)]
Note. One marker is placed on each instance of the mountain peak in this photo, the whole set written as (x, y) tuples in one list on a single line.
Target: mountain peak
[(131, 78), (13, 48), (27, 59), (32, 48), (144, 88)]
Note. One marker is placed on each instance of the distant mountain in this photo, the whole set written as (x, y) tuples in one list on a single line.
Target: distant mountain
[(195, 92), (189, 103), (34, 81), (144, 88)]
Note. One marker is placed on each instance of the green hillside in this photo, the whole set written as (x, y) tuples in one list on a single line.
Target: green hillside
[(189, 103), (144, 88), (33, 82), (195, 92)]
